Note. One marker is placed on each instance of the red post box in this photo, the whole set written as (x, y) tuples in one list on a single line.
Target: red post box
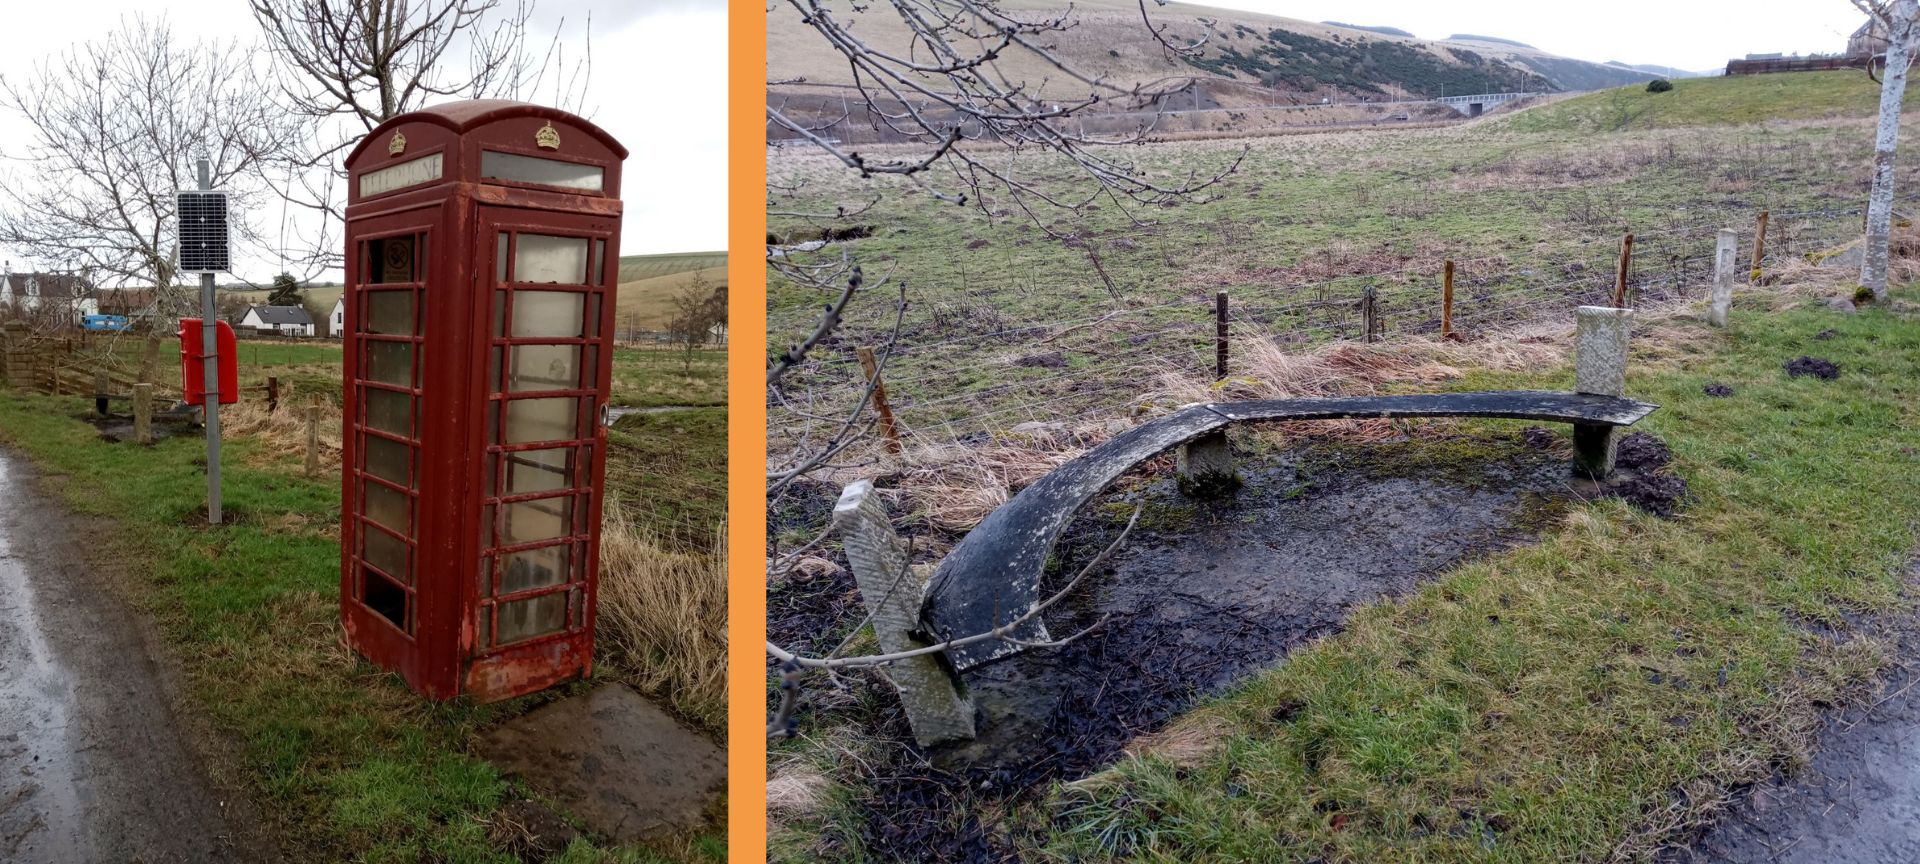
[(193, 367), (482, 250)]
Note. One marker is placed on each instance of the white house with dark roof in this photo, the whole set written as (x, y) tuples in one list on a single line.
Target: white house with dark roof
[(283, 320), (337, 320)]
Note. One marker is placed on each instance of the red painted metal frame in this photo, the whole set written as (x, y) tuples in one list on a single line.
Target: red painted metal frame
[(444, 651)]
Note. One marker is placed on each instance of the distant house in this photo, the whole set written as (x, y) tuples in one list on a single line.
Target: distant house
[(284, 320), (337, 321), (1868, 41), (717, 334), (43, 295)]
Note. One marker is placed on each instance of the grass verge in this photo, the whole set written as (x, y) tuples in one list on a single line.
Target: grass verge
[(347, 764)]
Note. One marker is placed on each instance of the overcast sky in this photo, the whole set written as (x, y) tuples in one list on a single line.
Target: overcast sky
[(658, 86), (1695, 35)]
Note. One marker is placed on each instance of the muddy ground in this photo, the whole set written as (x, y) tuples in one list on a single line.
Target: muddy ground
[(1204, 594), (96, 762)]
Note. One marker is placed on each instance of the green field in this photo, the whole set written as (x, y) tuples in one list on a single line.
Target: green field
[(1532, 218), (1720, 101)]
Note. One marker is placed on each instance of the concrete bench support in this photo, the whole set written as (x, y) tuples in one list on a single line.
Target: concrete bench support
[(1206, 467), (938, 707), (1600, 342)]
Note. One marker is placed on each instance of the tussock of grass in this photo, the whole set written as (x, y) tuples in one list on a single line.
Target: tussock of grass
[(663, 615)]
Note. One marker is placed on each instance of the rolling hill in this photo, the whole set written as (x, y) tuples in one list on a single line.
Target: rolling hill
[(650, 283), (1275, 54)]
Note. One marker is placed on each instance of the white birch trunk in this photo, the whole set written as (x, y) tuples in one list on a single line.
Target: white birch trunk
[(1893, 89)]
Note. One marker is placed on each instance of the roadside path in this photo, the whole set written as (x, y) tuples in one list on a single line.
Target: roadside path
[(94, 764)]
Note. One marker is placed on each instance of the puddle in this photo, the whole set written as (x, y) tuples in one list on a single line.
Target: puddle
[(615, 412), (1207, 594)]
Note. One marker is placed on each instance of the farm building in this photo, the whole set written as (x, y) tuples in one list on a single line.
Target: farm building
[(337, 319), (284, 320), (1868, 41)]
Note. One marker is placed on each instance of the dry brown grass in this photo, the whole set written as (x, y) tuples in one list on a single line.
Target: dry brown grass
[(663, 618), (281, 436)]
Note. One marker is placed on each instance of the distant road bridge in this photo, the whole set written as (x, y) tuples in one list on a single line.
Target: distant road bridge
[(1474, 106)]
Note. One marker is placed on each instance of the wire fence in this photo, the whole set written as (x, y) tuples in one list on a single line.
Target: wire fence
[(976, 386)]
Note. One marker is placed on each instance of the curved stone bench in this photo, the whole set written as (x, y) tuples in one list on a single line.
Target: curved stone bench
[(993, 575)]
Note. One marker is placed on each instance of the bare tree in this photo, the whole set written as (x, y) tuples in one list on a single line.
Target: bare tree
[(1897, 18), (696, 312), (946, 92), (116, 126), (346, 66)]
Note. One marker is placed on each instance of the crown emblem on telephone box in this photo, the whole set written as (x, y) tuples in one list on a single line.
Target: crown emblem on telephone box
[(397, 145), (548, 137)]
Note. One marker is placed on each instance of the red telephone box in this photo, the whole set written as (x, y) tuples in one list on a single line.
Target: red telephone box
[(193, 366), (482, 249)]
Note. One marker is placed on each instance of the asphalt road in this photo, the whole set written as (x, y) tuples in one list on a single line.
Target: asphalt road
[(96, 765)]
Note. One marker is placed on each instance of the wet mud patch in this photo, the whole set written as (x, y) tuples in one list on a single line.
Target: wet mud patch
[(118, 428), (1206, 594)]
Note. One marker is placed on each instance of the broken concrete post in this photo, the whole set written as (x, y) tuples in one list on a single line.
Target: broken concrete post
[(143, 413), (1206, 466), (938, 708), (99, 393), (1600, 341), (1724, 260)]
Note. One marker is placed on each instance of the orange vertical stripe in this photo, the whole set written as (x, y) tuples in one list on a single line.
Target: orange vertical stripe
[(746, 432)]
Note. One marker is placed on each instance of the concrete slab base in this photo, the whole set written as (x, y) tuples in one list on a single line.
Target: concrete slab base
[(611, 758)]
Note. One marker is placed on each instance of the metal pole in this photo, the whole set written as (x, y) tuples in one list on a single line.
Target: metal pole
[(210, 360)]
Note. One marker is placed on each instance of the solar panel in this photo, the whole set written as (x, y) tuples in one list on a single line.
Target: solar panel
[(203, 232)]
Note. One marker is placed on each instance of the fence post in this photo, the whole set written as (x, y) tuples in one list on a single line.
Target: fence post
[(53, 366), (888, 429), (18, 359), (1446, 303), (143, 413), (938, 709), (1369, 314), (1759, 246), (1220, 336), (1599, 367), (150, 357), (1725, 253), (1620, 277), (273, 393), (313, 437), (100, 393)]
